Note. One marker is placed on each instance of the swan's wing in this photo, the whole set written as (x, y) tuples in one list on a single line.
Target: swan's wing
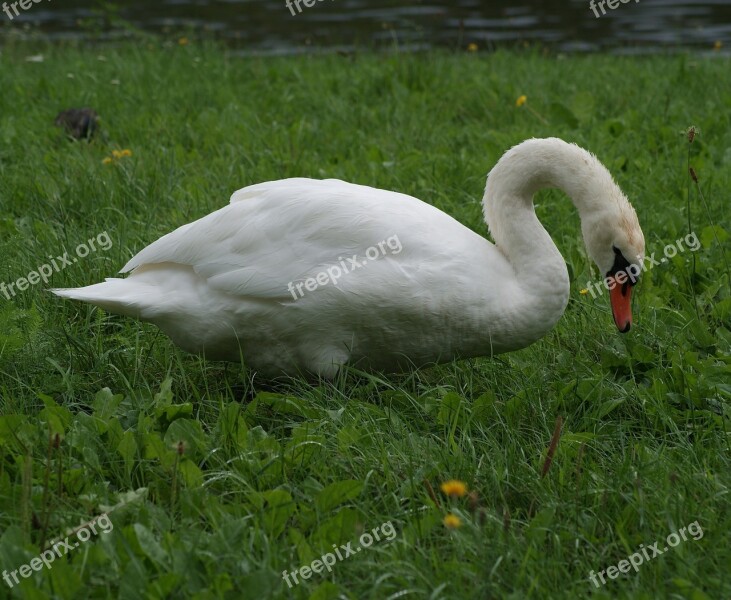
[(287, 231)]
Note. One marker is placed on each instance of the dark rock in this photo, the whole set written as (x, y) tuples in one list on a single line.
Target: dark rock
[(79, 123)]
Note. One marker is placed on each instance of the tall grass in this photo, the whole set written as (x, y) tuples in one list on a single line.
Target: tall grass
[(217, 482)]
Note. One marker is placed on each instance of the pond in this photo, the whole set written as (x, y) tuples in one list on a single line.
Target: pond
[(270, 26)]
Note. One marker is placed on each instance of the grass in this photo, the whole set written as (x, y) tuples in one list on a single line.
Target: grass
[(216, 483)]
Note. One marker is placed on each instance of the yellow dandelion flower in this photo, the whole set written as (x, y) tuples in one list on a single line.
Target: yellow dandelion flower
[(584, 291), (117, 153), (717, 45), (521, 100), (452, 521), (183, 41), (107, 161), (454, 488), (473, 47), (124, 153)]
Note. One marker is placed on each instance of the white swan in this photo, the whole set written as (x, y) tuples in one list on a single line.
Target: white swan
[(243, 281)]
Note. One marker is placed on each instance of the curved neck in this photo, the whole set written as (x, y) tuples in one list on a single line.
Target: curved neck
[(508, 204)]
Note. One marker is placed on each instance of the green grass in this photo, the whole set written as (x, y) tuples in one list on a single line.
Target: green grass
[(269, 478)]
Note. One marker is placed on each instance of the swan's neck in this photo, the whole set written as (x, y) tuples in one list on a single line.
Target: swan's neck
[(539, 267)]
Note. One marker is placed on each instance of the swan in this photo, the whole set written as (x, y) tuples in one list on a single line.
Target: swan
[(257, 279)]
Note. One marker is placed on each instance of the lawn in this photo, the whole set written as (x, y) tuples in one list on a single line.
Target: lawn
[(215, 482)]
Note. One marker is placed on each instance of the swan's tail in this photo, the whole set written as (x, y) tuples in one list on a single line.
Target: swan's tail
[(114, 295)]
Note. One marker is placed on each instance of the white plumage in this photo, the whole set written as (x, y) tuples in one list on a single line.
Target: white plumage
[(221, 285)]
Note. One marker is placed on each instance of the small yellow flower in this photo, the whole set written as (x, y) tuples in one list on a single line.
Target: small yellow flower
[(521, 100), (107, 160), (454, 488), (472, 47), (717, 45), (124, 153), (117, 153), (183, 41), (452, 521), (584, 291)]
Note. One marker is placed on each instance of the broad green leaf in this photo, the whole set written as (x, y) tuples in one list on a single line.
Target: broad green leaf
[(336, 530), (608, 406), (105, 404), (150, 546), (326, 591), (541, 524), (711, 235), (276, 507), (261, 584), (190, 433), (190, 472), (288, 405), (450, 409), (483, 408), (127, 448), (337, 493), (171, 412), (165, 396), (304, 551)]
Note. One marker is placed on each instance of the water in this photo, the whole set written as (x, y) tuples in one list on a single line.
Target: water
[(268, 26)]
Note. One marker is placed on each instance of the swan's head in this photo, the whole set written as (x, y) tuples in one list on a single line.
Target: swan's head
[(616, 244), (609, 224)]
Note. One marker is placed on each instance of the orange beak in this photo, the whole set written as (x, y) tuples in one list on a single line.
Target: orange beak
[(620, 297)]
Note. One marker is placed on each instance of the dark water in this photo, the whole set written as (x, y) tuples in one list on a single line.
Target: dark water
[(268, 26)]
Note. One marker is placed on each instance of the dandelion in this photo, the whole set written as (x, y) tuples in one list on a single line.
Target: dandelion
[(584, 292), (452, 521), (717, 45), (454, 488), (117, 155), (183, 41), (522, 99), (472, 47)]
